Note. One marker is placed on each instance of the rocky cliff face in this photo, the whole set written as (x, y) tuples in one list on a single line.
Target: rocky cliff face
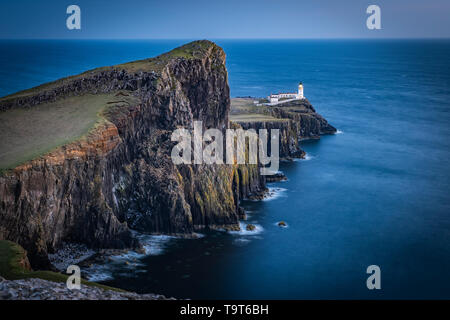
[(305, 121), (120, 176), (296, 120), (289, 146)]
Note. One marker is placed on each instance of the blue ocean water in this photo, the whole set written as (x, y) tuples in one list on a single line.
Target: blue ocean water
[(377, 193)]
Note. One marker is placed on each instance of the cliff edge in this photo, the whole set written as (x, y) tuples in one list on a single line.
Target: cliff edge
[(111, 169), (297, 120)]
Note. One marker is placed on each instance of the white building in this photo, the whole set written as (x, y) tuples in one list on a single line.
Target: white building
[(274, 98)]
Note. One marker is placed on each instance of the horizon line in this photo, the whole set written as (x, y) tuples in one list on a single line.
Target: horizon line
[(229, 38)]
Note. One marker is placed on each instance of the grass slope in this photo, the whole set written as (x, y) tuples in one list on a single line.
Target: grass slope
[(244, 110), (26, 133)]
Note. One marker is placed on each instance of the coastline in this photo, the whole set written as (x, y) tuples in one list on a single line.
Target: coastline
[(122, 191)]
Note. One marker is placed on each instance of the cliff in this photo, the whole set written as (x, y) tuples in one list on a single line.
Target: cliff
[(115, 173), (297, 120), (86, 159)]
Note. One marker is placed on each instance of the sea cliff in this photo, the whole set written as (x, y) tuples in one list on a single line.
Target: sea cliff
[(96, 187), (297, 120), (120, 175)]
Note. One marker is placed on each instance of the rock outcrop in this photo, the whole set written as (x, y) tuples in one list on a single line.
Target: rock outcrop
[(297, 120), (39, 289), (279, 176), (289, 147), (305, 121)]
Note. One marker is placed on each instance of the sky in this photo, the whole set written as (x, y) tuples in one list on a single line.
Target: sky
[(217, 19)]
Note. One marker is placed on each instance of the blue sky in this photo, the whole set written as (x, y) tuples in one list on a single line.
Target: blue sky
[(213, 19)]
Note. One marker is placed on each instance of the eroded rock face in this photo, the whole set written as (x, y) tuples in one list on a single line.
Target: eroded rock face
[(121, 175), (297, 120), (289, 147), (306, 122)]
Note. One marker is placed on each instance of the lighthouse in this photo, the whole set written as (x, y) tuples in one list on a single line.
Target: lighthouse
[(300, 91), (286, 96)]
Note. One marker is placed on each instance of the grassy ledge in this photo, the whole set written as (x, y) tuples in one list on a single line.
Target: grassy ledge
[(27, 133)]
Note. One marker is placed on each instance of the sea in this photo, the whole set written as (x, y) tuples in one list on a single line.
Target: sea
[(376, 193)]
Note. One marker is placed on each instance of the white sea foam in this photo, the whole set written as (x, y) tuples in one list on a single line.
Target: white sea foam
[(130, 260), (199, 235), (339, 132), (154, 244), (244, 232), (70, 253), (275, 193), (98, 272), (306, 158), (244, 236)]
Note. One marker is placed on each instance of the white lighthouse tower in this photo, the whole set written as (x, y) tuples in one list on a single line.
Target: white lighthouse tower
[(300, 91)]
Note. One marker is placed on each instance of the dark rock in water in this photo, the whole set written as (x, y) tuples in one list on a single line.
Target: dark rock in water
[(279, 176), (250, 227), (259, 195), (227, 228), (282, 224)]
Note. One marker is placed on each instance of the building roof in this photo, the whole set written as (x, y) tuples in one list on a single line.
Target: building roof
[(277, 94)]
